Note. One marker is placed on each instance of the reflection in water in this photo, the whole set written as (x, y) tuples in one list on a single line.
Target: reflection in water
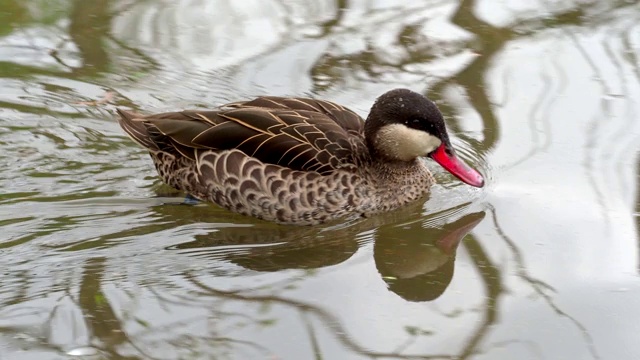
[(103, 326), (92, 259), (269, 247), (637, 208), (417, 263), (542, 289), (100, 320)]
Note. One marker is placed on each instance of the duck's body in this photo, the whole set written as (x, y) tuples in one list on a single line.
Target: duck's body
[(293, 160)]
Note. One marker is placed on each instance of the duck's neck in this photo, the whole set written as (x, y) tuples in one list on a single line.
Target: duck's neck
[(396, 184), (405, 172)]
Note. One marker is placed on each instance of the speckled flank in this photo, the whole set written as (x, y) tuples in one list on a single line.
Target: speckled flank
[(244, 185)]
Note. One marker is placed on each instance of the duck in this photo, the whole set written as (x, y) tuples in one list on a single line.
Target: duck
[(301, 161)]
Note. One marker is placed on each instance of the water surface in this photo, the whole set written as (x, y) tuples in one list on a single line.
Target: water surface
[(100, 260)]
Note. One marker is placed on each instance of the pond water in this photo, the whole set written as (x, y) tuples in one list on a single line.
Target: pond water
[(102, 261)]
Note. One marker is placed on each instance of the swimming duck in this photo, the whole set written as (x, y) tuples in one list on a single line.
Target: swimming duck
[(298, 160)]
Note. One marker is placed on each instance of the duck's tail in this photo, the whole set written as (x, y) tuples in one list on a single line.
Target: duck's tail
[(133, 124)]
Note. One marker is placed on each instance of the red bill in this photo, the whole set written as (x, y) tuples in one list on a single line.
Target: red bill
[(456, 167)]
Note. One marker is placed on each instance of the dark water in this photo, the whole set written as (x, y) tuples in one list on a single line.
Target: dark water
[(100, 261)]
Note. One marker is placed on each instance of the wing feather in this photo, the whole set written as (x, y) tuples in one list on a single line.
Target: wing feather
[(298, 133), (226, 135)]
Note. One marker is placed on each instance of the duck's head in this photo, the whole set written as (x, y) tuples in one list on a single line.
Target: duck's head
[(404, 125)]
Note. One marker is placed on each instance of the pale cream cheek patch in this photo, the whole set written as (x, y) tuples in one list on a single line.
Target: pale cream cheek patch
[(399, 142)]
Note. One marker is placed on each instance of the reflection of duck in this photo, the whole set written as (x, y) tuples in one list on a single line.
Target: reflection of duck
[(418, 263), (265, 247), (301, 161), (274, 249)]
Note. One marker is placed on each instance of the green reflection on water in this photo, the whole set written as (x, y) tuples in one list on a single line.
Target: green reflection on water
[(92, 262)]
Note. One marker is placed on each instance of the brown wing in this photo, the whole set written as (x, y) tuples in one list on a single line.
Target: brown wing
[(344, 117), (298, 133)]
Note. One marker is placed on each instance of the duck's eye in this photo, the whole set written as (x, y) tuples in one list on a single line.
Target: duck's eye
[(414, 123)]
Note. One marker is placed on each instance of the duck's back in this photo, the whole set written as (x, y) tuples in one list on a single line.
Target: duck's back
[(297, 133)]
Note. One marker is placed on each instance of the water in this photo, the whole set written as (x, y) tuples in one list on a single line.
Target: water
[(101, 261)]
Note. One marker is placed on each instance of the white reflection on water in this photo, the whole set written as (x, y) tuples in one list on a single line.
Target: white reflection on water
[(548, 102)]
